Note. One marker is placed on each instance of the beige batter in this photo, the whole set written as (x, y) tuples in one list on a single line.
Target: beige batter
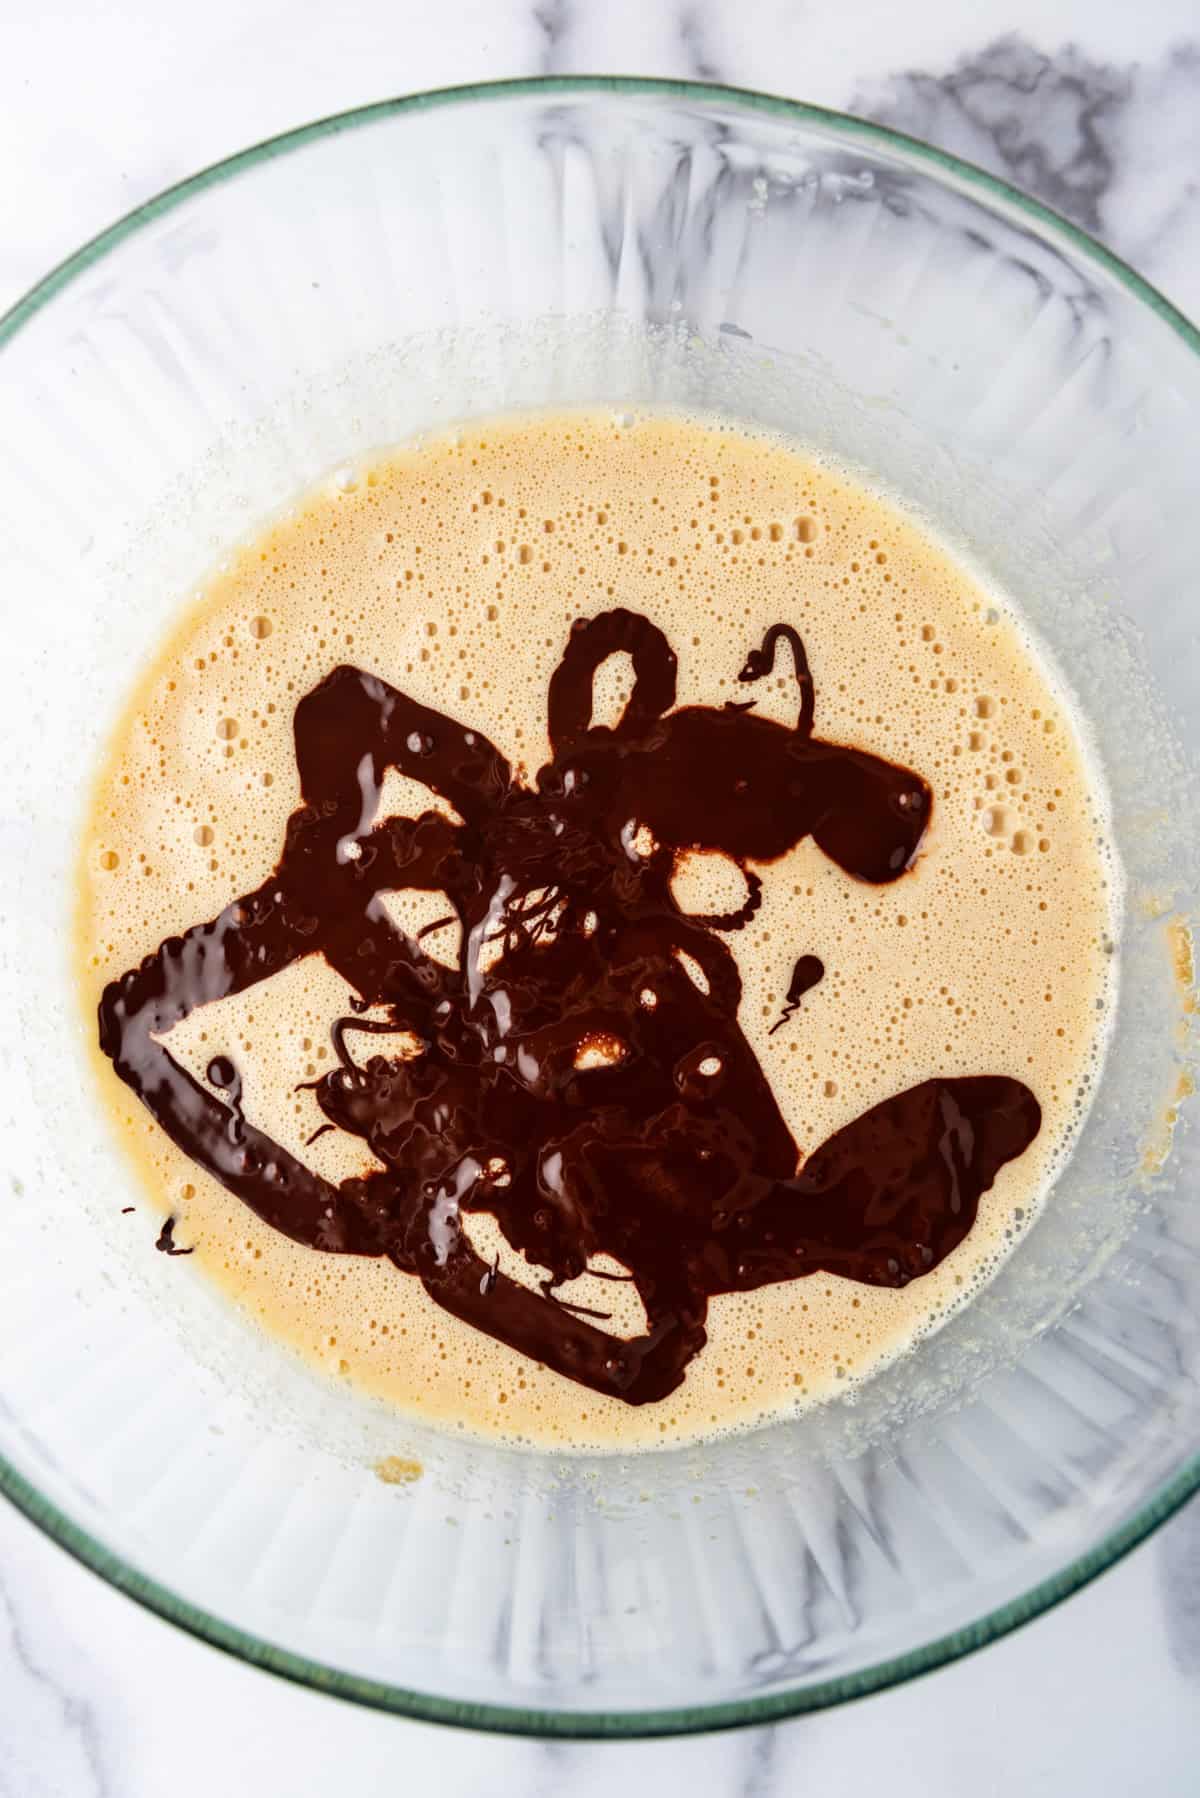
[(454, 570)]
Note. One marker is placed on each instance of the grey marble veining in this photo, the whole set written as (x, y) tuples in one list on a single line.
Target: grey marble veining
[(1096, 110), (694, 44), (553, 20), (764, 1750), (1067, 128), (1178, 1556), (54, 1740), (1047, 124)]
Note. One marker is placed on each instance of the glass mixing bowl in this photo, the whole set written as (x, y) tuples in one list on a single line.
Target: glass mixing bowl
[(631, 243)]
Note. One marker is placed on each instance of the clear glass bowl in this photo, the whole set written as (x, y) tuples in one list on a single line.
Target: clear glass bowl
[(631, 242)]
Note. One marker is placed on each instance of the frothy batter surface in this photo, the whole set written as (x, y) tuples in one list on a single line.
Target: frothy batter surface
[(454, 571)]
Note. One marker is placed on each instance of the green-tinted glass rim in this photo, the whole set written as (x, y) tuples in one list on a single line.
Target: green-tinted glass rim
[(511, 1719)]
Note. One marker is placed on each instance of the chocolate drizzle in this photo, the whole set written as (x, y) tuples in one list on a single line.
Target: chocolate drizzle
[(165, 1240), (581, 1073), (808, 970)]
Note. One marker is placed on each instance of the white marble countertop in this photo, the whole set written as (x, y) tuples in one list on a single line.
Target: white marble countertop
[(1095, 108)]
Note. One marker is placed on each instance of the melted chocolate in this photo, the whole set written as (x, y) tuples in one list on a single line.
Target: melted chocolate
[(806, 973), (165, 1240), (581, 1074)]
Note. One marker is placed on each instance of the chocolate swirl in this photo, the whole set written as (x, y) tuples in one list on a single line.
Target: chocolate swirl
[(581, 1073)]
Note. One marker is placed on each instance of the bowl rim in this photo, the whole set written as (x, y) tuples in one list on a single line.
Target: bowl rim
[(515, 1719)]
